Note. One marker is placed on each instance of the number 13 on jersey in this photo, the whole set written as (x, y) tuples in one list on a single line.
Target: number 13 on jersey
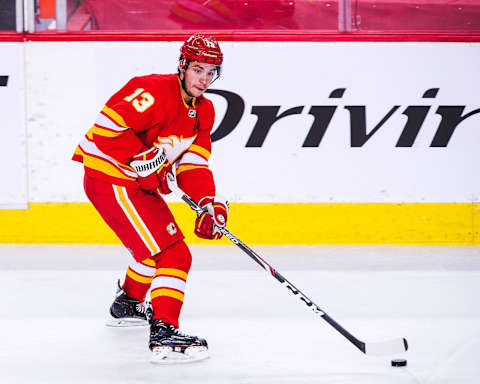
[(140, 100)]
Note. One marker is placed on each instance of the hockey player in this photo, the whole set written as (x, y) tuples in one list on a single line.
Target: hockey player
[(154, 125)]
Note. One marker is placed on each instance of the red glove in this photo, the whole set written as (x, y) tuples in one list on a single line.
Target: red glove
[(152, 167), (207, 224)]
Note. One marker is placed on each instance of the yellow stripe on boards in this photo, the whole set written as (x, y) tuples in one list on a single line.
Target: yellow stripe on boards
[(166, 292), (141, 279), (262, 223), (136, 220)]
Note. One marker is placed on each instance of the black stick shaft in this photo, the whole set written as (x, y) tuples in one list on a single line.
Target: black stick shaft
[(268, 268)]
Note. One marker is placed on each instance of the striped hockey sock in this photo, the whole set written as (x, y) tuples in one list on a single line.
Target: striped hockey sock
[(139, 278), (169, 281)]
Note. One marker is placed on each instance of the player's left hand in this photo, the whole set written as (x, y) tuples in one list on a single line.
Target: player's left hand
[(214, 217)]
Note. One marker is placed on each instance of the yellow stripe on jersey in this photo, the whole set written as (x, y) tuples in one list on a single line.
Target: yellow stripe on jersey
[(114, 116), (89, 134), (141, 279), (188, 167), (167, 292), (136, 220), (171, 272), (79, 152), (148, 262), (121, 165), (104, 166), (199, 151), (103, 132), (189, 106)]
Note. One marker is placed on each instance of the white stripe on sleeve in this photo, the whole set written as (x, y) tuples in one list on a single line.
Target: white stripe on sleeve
[(192, 158), (104, 121)]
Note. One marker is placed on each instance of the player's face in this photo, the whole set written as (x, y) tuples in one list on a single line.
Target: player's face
[(198, 77)]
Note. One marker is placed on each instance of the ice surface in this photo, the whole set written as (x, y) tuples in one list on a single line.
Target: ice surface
[(55, 300)]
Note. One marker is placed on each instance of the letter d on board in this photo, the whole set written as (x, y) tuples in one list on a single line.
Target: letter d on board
[(233, 114)]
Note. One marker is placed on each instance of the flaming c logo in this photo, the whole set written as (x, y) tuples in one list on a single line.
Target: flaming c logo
[(161, 141)]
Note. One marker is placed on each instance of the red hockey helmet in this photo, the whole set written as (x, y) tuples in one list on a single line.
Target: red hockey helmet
[(204, 49)]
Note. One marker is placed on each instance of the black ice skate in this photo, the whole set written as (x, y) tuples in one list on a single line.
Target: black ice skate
[(127, 311), (169, 345)]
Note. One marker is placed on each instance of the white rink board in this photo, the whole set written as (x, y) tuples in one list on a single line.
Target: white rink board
[(13, 146), (69, 82)]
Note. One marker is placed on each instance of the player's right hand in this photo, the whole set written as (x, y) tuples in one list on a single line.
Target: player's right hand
[(214, 217), (152, 167)]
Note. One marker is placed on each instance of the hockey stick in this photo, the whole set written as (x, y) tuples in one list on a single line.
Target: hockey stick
[(388, 347)]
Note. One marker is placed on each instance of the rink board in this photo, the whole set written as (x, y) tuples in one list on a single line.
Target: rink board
[(13, 146), (266, 223), (364, 143), (362, 122)]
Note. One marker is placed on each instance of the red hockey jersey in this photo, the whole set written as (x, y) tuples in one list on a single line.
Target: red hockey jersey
[(147, 111)]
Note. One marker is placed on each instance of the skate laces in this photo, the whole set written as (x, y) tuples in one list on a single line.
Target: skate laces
[(175, 331), (143, 307)]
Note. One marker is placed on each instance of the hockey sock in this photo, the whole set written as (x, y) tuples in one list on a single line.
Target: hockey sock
[(138, 278), (168, 285)]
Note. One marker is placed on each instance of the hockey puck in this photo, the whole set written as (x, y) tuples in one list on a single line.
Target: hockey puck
[(399, 363)]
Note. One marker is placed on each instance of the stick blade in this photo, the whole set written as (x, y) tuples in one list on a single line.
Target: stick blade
[(389, 347)]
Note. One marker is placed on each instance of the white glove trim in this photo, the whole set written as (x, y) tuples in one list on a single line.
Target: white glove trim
[(145, 168)]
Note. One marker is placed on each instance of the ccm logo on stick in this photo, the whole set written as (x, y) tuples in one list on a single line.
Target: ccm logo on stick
[(231, 237)]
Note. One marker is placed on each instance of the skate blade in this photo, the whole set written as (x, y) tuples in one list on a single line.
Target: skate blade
[(123, 323), (166, 355)]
